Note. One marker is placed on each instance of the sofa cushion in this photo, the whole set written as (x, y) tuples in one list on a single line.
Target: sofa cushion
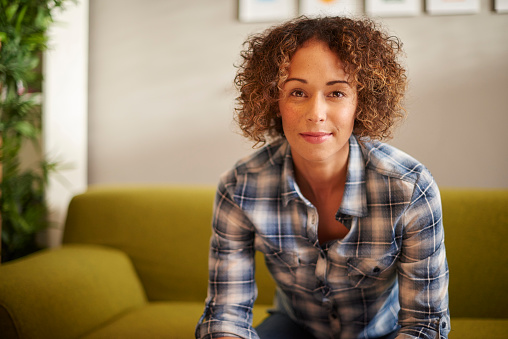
[(83, 287), (468, 328), (175, 320), (476, 229)]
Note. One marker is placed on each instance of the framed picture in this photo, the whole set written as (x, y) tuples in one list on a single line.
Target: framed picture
[(266, 10), (501, 6), (444, 7), (329, 7), (393, 7)]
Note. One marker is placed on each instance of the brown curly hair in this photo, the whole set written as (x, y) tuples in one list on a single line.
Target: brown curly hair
[(371, 61)]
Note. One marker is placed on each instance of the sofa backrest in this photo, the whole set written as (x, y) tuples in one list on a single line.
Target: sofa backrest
[(476, 235), (164, 230)]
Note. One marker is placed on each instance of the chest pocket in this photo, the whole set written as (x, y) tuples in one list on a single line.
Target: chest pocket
[(283, 266), (367, 272), (292, 272)]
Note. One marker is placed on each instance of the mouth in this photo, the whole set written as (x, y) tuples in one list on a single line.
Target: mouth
[(316, 137)]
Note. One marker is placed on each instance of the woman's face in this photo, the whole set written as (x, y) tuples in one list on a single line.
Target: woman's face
[(317, 106)]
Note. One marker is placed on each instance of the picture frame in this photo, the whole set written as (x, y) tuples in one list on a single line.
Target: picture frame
[(329, 7), (266, 10), (393, 8), (501, 6), (451, 7)]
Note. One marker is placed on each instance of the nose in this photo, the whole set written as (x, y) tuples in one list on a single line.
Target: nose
[(316, 111)]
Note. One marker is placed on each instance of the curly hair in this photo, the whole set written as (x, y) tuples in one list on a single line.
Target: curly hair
[(371, 61)]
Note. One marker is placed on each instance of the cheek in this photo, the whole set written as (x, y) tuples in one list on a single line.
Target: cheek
[(287, 125), (283, 107), (288, 115), (352, 112), (352, 119)]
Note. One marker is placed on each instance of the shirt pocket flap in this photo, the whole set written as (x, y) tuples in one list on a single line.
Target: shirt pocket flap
[(365, 272), (283, 258)]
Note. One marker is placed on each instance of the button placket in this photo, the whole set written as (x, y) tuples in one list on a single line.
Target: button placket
[(321, 267), (312, 223), (335, 321), (313, 217)]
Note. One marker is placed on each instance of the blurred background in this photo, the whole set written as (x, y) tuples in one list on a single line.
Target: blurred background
[(161, 95), (157, 95)]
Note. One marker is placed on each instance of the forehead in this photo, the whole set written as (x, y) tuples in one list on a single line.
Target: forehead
[(315, 56)]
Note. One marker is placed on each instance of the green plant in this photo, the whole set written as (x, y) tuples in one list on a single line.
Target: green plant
[(23, 210)]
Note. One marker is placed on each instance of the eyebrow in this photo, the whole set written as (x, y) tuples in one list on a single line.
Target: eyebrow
[(329, 83)]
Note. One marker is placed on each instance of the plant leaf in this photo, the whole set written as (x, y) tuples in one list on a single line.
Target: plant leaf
[(26, 129), (21, 16), (10, 11)]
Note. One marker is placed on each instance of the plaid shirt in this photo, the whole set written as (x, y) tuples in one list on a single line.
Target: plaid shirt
[(388, 272)]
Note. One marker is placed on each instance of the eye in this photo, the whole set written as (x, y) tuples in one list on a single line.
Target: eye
[(337, 94), (297, 93)]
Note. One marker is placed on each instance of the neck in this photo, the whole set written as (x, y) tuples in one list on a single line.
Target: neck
[(321, 180)]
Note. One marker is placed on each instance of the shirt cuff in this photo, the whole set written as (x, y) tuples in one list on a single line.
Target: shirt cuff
[(216, 329)]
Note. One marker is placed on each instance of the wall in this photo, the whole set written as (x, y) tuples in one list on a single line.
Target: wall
[(161, 95), (65, 112)]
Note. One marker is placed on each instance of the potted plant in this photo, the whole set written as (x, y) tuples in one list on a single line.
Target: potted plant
[(23, 210)]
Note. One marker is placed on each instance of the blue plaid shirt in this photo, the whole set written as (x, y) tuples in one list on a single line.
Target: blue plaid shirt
[(388, 272)]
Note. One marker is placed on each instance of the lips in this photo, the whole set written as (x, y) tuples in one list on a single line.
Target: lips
[(316, 137)]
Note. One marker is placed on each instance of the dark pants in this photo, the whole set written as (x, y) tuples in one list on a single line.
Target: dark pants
[(280, 326)]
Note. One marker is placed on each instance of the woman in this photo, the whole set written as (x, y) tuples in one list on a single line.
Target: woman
[(350, 227)]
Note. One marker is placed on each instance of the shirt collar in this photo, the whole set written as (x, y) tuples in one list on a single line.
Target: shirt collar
[(290, 190), (354, 201)]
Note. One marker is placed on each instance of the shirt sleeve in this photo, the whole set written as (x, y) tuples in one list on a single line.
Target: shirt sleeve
[(423, 269), (231, 286)]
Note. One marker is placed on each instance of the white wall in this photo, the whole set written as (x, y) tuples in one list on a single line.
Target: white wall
[(161, 95), (65, 112)]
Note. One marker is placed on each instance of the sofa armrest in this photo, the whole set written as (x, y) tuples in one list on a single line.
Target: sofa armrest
[(66, 292)]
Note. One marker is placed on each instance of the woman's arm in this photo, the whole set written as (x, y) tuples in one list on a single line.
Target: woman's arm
[(231, 286), (423, 269)]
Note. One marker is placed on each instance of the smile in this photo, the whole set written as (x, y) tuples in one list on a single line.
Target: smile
[(316, 137)]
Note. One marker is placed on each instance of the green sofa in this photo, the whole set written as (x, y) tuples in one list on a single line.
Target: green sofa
[(133, 264)]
